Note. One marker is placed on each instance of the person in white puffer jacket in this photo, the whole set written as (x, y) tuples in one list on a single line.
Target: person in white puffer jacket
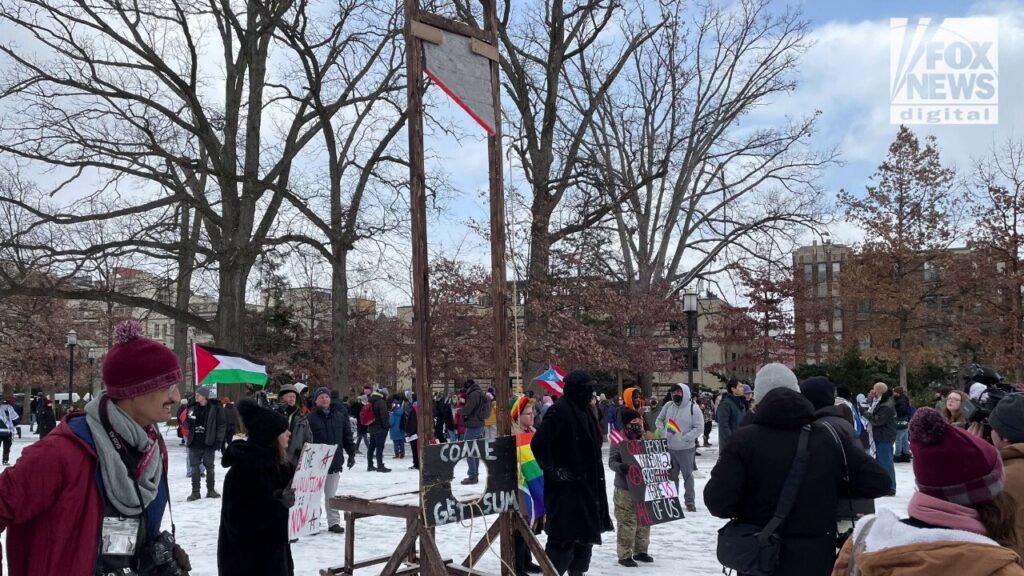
[(682, 422)]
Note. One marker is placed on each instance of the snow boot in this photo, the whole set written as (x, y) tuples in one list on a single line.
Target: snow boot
[(337, 529), (194, 496), (371, 468), (691, 508), (628, 562), (643, 557), (470, 481), (211, 493), (381, 468)]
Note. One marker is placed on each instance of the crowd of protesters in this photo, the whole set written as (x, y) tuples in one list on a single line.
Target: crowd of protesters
[(791, 455)]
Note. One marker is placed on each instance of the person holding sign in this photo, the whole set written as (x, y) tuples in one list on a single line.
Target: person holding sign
[(682, 422), (633, 537), (253, 536), (568, 448)]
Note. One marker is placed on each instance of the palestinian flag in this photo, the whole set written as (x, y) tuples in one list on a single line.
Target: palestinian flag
[(531, 478), (216, 366)]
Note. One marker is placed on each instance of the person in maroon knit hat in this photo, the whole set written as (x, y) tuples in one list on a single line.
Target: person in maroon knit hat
[(961, 518), (89, 498)]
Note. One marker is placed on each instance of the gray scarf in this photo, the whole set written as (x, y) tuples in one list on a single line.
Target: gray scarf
[(117, 479)]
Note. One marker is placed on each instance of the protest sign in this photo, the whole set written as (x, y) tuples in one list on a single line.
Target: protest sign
[(308, 484), (498, 455), (654, 494)]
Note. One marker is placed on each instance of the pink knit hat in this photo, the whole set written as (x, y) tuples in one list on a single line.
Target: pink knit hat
[(136, 365), (951, 464)]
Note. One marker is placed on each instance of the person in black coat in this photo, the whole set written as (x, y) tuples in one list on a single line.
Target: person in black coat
[(883, 430), (329, 424), (444, 419), (46, 420), (378, 431), (253, 537), (207, 427), (567, 447), (412, 414), (746, 482)]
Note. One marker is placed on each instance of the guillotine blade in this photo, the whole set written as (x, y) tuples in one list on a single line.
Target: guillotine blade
[(457, 65)]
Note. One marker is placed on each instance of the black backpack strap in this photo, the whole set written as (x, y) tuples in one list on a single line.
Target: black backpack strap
[(789, 490)]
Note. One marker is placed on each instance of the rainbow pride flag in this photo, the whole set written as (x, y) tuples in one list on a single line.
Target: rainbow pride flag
[(531, 477), (673, 426)]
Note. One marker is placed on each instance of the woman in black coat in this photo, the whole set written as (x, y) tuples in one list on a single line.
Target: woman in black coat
[(748, 478), (567, 447), (253, 539)]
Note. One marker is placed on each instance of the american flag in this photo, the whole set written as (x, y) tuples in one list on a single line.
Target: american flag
[(614, 436)]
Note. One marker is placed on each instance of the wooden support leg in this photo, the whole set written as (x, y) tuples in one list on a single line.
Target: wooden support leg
[(430, 556), (401, 551), (481, 547), (350, 542), (411, 525), (547, 568)]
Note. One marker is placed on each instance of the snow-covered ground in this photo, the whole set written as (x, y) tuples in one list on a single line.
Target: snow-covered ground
[(685, 547)]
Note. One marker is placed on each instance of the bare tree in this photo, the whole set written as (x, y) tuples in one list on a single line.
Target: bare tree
[(363, 185), (558, 60), (694, 188), (171, 93)]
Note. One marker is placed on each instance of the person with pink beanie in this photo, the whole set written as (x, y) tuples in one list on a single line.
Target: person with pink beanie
[(961, 519)]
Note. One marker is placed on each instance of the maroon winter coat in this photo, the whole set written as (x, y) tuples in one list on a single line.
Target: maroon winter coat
[(51, 507)]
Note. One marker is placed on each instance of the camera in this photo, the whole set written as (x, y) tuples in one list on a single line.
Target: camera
[(981, 404), (162, 557)]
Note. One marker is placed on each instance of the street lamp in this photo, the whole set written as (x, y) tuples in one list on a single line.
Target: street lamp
[(72, 342), (690, 307)]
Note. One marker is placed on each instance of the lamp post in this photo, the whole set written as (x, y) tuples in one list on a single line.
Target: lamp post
[(93, 353), (690, 307), (72, 342)]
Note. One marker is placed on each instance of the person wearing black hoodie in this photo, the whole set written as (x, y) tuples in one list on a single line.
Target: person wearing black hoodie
[(567, 447), (253, 536), (746, 482), (412, 412)]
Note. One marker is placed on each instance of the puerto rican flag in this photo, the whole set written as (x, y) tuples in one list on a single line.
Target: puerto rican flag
[(551, 380)]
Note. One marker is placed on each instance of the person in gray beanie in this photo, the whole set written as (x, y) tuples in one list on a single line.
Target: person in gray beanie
[(772, 376), (1007, 421)]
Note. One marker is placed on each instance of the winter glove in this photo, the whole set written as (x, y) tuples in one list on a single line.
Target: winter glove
[(351, 461), (181, 557), (285, 496)]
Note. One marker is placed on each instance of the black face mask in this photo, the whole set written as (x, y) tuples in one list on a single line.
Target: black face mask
[(678, 399), (634, 430)]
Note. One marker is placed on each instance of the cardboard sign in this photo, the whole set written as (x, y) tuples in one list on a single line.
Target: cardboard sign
[(498, 455), (308, 484), (649, 481)]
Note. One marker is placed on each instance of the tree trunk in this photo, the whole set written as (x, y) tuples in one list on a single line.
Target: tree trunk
[(903, 356), (232, 278), (189, 234), (340, 357), (538, 290)]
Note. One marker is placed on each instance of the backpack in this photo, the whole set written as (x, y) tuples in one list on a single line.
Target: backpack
[(366, 416)]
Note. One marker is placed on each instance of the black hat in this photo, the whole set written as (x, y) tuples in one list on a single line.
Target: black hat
[(263, 425), (578, 386), (820, 391), (1008, 418)]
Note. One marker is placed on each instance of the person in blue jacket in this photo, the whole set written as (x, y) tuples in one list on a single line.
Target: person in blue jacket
[(396, 430)]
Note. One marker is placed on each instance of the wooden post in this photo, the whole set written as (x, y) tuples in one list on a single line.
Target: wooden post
[(420, 269), (498, 284)]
